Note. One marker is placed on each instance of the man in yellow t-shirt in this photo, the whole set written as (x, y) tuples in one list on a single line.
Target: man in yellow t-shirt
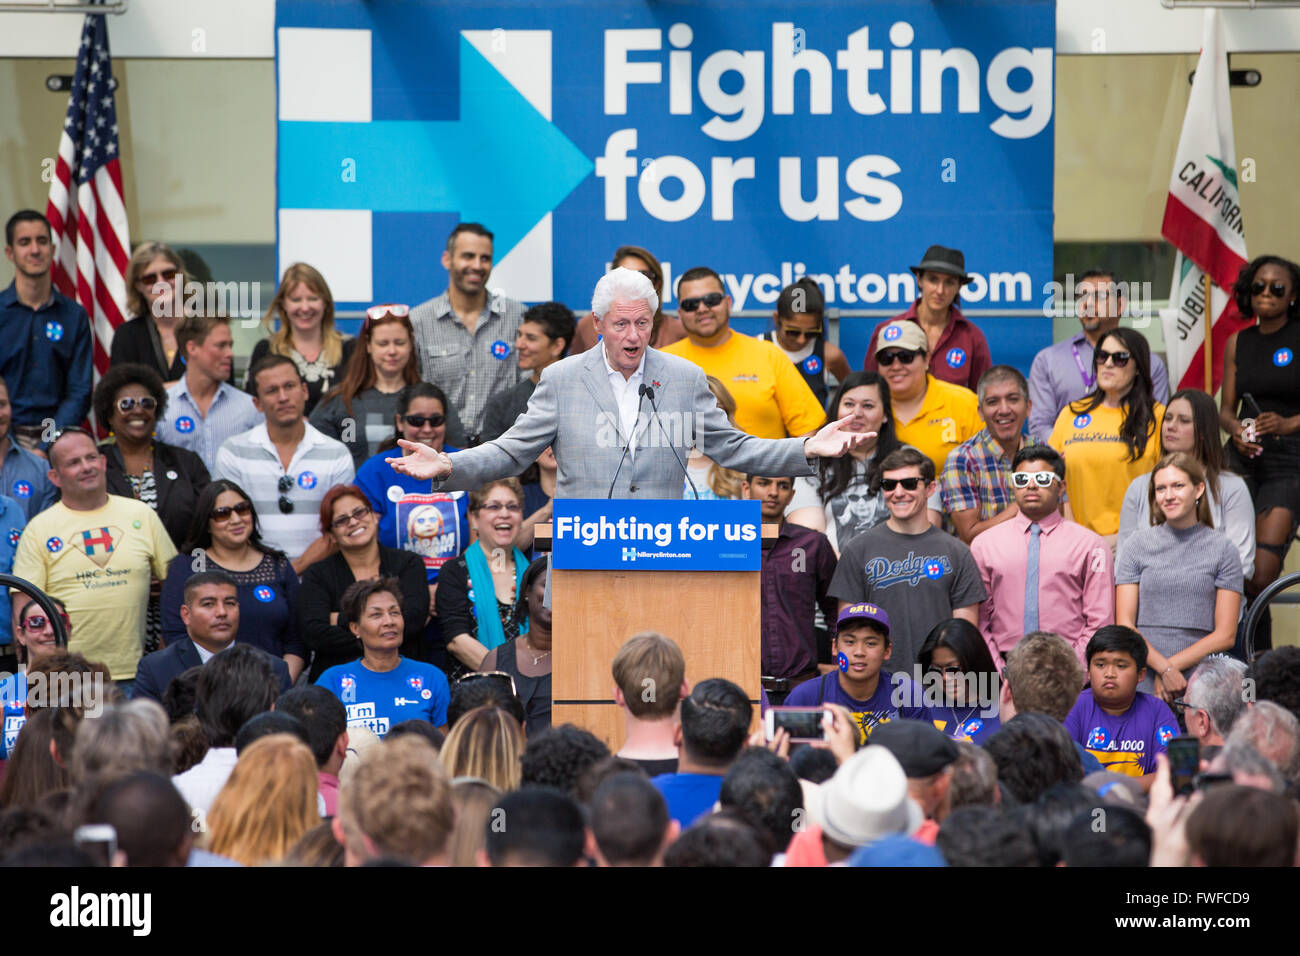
[(930, 414), (772, 398), (95, 552)]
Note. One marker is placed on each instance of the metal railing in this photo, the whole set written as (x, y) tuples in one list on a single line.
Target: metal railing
[(1266, 597)]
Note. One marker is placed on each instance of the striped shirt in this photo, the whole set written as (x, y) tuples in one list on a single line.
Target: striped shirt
[(318, 464), (469, 367), (230, 413)]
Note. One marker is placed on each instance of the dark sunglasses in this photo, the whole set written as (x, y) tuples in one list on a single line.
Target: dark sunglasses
[(146, 404), (498, 677), (37, 622), (243, 509), (284, 485), (419, 421), (1118, 359), (890, 356), (945, 669), (1278, 289), (911, 484), (711, 300), (800, 333), (153, 278), (356, 514)]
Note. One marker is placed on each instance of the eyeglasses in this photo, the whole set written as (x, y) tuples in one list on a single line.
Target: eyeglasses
[(284, 486), (712, 300), (800, 333), (153, 278), (419, 421), (492, 507), (146, 404), (911, 484), (946, 669), (1278, 289), (1118, 359), (890, 356), (356, 514), (37, 622), (1043, 479), (222, 514)]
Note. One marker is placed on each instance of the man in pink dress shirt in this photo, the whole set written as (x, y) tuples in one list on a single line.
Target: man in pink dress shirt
[(1071, 565)]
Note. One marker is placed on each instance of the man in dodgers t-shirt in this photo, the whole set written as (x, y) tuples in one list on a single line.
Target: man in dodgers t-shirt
[(871, 694), (377, 701)]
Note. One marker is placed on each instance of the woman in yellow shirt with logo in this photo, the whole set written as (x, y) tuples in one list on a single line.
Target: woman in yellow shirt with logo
[(1109, 436)]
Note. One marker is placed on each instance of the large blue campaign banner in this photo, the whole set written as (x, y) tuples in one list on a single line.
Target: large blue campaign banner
[(763, 139), (656, 535)]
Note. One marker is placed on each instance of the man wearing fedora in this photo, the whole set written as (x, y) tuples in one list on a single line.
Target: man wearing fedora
[(958, 350)]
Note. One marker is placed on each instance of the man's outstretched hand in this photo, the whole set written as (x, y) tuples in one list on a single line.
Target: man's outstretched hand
[(835, 440), (423, 462)]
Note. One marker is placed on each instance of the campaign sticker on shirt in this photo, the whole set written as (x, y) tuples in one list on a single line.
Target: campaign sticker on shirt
[(955, 358), (185, 424), (22, 489), (54, 545), (891, 333), (347, 681), (1283, 357), (1082, 421), (307, 481), (136, 524), (812, 365), (933, 570), (843, 661), (500, 349), (14, 535), (416, 682), (264, 594), (172, 476), (1099, 739), (426, 693), (1166, 734), (54, 331), (395, 493), (972, 727)]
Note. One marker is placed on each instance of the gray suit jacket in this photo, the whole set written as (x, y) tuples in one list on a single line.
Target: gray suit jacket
[(573, 411)]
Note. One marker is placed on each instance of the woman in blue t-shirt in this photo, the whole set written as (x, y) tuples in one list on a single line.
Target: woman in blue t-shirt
[(960, 681), (382, 688), (36, 639)]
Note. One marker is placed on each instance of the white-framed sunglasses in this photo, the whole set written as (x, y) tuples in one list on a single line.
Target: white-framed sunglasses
[(377, 312), (1043, 479)]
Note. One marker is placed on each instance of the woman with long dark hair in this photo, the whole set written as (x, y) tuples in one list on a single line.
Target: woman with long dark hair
[(1191, 425), (224, 536), (667, 327), (957, 667), (1261, 386), (1110, 436)]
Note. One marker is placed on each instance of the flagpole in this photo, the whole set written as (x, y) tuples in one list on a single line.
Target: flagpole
[(1209, 336)]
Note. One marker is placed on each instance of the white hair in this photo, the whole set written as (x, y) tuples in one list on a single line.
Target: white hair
[(625, 285)]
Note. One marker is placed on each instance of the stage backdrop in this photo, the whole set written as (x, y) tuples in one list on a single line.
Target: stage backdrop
[(763, 139)]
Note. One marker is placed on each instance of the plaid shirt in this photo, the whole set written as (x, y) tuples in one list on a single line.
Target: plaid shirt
[(977, 474), (470, 368)]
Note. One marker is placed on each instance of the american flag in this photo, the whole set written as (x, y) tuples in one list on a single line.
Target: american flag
[(86, 208)]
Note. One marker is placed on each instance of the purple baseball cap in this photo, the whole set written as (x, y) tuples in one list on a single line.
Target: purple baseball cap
[(863, 612)]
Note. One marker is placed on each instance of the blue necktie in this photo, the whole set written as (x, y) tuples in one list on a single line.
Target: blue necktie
[(1031, 579)]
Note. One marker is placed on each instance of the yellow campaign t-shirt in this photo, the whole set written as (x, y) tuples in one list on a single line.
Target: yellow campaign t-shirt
[(772, 398), (98, 563), (949, 415), (1097, 469)]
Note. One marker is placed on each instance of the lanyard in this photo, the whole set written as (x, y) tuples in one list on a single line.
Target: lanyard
[(1088, 379)]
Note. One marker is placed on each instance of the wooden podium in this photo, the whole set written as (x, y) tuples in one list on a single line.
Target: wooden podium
[(714, 616)]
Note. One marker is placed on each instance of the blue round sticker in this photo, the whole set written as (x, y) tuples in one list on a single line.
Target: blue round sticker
[(955, 358), (307, 480), (891, 333), (972, 727), (1283, 357), (14, 535), (812, 365), (264, 594), (54, 331), (1166, 734), (500, 349), (933, 570), (1082, 421), (1099, 739), (185, 424), (54, 545), (22, 489), (843, 661)]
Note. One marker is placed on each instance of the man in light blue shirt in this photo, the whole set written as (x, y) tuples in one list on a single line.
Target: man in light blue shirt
[(24, 475)]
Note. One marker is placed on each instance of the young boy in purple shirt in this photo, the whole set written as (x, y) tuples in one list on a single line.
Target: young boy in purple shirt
[(1120, 726), (870, 693)]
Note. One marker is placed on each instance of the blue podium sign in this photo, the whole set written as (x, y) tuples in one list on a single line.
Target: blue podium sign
[(656, 535)]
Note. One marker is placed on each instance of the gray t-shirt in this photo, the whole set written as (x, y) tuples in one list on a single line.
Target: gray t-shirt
[(1177, 574), (916, 578), (371, 423)]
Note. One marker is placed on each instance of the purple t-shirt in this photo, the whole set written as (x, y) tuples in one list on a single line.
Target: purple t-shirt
[(964, 723), (1127, 743), (879, 709)]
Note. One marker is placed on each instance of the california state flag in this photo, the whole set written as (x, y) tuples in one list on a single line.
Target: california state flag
[(1203, 221)]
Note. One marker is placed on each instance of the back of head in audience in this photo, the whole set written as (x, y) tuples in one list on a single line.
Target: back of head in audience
[(724, 838), (926, 755), (589, 780), (322, 716), (1214, 698), (1047, 817), (268, 803), (127, 737), (1032, 752), (1277, 678), (1247, 766), (178, 698), (23, 826), (649, 675), (540, 827), (233, 687), (473, 800), (420, 728), (1043, 675), (1242, 826), (472, 692), (630, 822), (558, 756), (974, 778), (763, 789), (397, 804), (32, 773), (1274, 732), (1105, 837), (486, 743), (715, 723), (984, 836), (153, 822), (813, 764), (317, 848), (265, 724)]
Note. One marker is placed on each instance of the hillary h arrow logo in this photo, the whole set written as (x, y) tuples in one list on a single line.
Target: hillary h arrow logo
[(501, 162)]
